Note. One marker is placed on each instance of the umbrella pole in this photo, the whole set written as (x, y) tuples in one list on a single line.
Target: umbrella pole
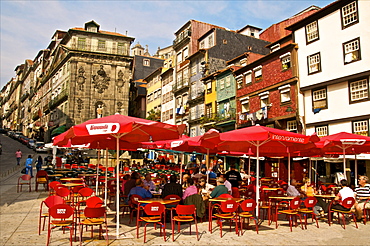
[(117, 188), (106, 177), (257, 179), (182, 163), (249, 169), (97, 172), (207, 164), (310, 170), (356, 170), (344, 164)]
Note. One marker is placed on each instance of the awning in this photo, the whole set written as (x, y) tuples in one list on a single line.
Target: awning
[(58, 130)]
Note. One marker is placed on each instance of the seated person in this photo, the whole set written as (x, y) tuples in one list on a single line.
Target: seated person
[(362, 194), (148, 182), (204, 188), (211, 174), (227, 183), (185, 181), (190, 190), (292, 190), (219, 189), (172, 188), (140, 190), (307, 190), (342, 194)]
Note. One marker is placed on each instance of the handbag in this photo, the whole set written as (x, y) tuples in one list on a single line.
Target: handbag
[(24, 171)]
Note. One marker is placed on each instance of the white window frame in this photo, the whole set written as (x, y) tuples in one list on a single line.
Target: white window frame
[(222, 83), (228, 81), (146, 62), (284, 93), (351, 51), (312, 32), (314, 63), (318, 96), (291, 126), (286, 61), (102, 44), (275, 48), (321, 131), (359, 90), (257, 73), (245, 106), (361, 127), (248, 77), (349, 14), (264, 99), (239, 81)]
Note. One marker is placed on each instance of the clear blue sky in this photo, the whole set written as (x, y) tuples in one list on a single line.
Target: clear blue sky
[(27, 26)]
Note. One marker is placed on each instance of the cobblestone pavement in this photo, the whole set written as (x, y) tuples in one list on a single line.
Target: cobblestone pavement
[(19, 226)]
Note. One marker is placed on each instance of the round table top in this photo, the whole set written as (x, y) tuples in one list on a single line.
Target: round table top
[(73, 184), (160, 200), (71, 179)]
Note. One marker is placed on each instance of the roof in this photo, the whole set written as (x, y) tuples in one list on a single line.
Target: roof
[(319, 14), (101, 32)]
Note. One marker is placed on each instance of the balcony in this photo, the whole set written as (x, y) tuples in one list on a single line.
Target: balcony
[(181, 37), (61, 97), (94, 48), (24, 96), (224, 117), (180, 85), (196, 96)]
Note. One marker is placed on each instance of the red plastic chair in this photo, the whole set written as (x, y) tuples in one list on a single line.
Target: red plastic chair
[(65, 193), (247, 207), (225, 196), (61, 215), (291, 212), (366, 211), (67, 166), (48, 202), (309, 203), (347, 203), (185, 213), (94, 202), (42, 178), (94, 217), (134, 207), (228, 212), (25, 179), (155, 212), (52, 187), (235, 192)]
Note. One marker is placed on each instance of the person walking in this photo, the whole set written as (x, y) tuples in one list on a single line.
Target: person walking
[(28, 165), (18, 155), (38, 163)]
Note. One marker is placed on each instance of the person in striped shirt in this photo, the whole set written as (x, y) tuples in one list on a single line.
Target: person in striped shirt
[(362, 194)]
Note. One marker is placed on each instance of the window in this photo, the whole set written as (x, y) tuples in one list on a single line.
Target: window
[(210, 41), (285, 61), (284, 93), (258, 73), (146, 62), (193, 132), (194, 69), (314, 65), (245, 104), (248, 77), (222, 84), (244, 62), (321, 131), (228, 83), (81, 43), (239, 81), (186, 53), (361, 127), (319, 99), (349, 14), (291, 126), (359, 90), (264, 97), (275, 47), (209, 87), (312, 32), (351, 51), (101, 44), (121, 49), (209, 110), (179, 58), (202, 44)]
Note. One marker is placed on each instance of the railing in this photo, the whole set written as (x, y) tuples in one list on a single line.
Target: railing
[(58, 99), (183, 35), (24, 96), (181, 84), (94, 48), (227, 115)]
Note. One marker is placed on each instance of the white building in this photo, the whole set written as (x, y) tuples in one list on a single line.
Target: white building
[(334, 68)]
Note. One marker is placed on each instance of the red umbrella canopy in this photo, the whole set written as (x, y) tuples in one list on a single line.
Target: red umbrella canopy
[(268, 140), (351, 143), (126, 128), (162, 144)]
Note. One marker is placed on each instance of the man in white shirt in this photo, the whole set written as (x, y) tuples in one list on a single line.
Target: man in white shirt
[(148, 182)]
